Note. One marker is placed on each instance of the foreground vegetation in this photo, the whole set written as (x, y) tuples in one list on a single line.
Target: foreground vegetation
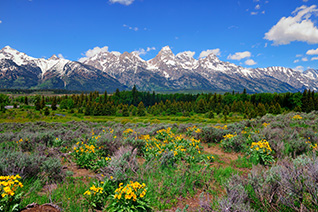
[(264, 164)]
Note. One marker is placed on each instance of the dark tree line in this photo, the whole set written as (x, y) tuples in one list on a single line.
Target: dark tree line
[(134, 102)]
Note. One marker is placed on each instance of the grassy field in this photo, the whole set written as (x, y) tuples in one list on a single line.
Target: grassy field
[(160, 163), (31, 115)]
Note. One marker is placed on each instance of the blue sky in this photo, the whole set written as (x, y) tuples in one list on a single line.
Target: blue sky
[(251, 33)]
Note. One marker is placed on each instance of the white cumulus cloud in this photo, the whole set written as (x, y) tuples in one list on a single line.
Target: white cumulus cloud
[(299, 68), (131, 28), (150, 49), (254, 13), (314, 58), (296, 61), (239, 55), (298, 27), (304, 59), (91, 52), (124, 2), (60, 56), (257, 7), (0, 21), (206, 53), (142, 51), (250, 62), (312, 51)]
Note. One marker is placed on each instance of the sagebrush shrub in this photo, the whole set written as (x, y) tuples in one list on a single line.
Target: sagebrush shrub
[(123, 163), (30, 165)]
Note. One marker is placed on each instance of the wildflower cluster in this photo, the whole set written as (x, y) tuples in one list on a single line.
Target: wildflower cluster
[(314, 147), (129, 133), (96, 195), (266, 124), (170, 148), (220, 127), (244, 132), (93, 190), (88, 155), (85, 154), (9, 184), (131, 191), (192, 130), (129, 130), (167, 143), (297, 117), (19, 141), (231, 142), (260, 152), (10, 197), (229, 136), (262, 145), (131, 197)]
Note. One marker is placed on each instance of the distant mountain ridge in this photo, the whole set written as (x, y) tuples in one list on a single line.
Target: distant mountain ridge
[(165, 72), (18, 70)]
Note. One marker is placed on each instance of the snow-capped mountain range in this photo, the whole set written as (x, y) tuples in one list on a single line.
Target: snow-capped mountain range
[(165, 72)]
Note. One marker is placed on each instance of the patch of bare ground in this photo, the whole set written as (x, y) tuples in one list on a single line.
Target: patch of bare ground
[(224, 156), (226, 159), (78, 173), (41, 208)]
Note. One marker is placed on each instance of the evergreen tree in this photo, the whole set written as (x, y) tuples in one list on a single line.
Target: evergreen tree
[(261, 110), (252, 113), (117, 93), (134, 111), (278, 109), (37, 103), (87, 109), (218, 108), (226, 112), (95, 111), (134, 93), (297, 109), (272, 109), (211, 115), (125, 111), (105, 97), (42, 104), (26, 100), (46, 111), (304, 101), (311, 105), (54, 105), (201, 106), (141, 110)]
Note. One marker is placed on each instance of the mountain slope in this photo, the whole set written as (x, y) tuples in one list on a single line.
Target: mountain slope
[(165, 72), (17, 70)]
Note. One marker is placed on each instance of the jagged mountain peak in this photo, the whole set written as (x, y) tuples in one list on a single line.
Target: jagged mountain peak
[(186, 55), (10, 50), (133, 56), (166, 48), (19, 58), (53, 57), (165, 56), (116, 53), (165, 51), (211, 57)]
